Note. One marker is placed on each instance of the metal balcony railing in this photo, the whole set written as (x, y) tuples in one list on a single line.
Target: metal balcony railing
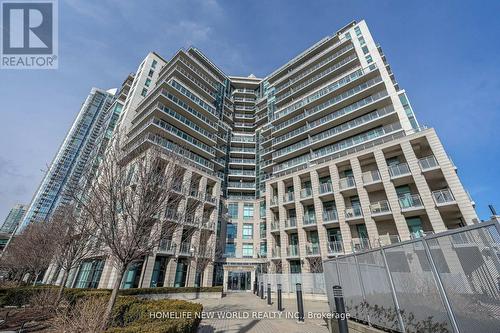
[(276, 252), (398, 170), (360, 244), (443, 196), (335, 247), (370, 177), (275, 225), (388, 239), (325, 188), (353, 212), (380, 207), (288, 197), (330, 215), (409, 201), (185, 248), (274, 201), (428, 162), (166, 245)]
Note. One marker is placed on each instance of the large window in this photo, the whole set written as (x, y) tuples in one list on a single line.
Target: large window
[(231, 231), (89, 274), (247, 231), (230, 250), (247, 250), (233, 210), (248, 211)]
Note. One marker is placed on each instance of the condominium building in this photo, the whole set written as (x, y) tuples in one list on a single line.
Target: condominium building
[(72, 157), (321, 157), (13, 219)]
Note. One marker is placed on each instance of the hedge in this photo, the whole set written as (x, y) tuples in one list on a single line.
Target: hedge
[(131, 315), (22, 295)]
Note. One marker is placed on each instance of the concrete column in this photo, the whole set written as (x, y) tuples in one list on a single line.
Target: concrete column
[(371, 226), (299, 208), (208, 275), (170, 272), (345, 229), (318, 208), (147, 271), (451, 177), (106, 276), (392, 196), (423, 188)]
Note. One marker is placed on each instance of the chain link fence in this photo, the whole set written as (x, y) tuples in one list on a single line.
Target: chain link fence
[(446, 282)]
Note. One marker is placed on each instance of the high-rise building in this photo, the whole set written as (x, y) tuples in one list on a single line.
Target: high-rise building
[(321, 157), (72, 158), (13, 219)]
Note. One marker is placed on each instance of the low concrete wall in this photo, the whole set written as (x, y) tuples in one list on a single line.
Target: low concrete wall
[(181, 296)]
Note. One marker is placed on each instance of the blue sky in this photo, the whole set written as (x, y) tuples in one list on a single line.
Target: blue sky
[(444, 53)]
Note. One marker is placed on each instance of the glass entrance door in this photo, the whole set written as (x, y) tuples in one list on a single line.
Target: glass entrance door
[(239, 281)]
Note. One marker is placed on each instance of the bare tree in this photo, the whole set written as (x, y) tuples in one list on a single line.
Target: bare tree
[(31, 252), (128, 201), (74, 238)]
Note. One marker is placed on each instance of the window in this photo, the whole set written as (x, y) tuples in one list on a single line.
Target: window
[(248, 250), (89, 274), (148, 82), (247, 231), (233, 210), (153, 65), (231, 231), (230, 250), (365, 49), (262, 210), (369, 59), (144, 92), (151, 72), (248, 211)]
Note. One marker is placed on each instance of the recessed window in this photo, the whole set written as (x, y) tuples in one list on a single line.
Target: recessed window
[(151, 72), (233, 210), (247, 231), (153, 65), (144, 92), (247, 250), (148, 82), (248, 211)]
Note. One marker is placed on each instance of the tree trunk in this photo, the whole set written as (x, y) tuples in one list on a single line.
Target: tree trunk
[(36, 279), (63, 284), (112, 299)]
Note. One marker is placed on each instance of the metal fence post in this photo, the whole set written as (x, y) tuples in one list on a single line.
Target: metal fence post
[(440, 286), (393, 291), (280, 308), (268, 294), (300, 303), (261, 290)]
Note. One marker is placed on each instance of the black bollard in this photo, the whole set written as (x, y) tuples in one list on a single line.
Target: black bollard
[(255, 286), (262, 290), (340, 308), (268, 294), (280, 308), (300, 303)]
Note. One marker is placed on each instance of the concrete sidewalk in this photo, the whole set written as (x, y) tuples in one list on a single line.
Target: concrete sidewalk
[(245, 312)]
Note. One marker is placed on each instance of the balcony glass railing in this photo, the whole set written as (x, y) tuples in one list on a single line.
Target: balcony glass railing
[(312, 249), (309, 219), (291, 222), (398, 170), (275, 225), (443, 196), (305, 192), (185, 248), (347, 182), (409, 201), (325, 188), (353, 212), (330, 215), (428, 162), (274, 201), (166, 245), (370, 177), (335, 247), (292, 251), (236, 172), (241, 185), (242, 160), (276, 252), (380, 207), (360, 244), (288, 197)]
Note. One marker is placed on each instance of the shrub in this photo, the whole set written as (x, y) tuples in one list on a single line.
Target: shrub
[(85, 316), (131, 315)]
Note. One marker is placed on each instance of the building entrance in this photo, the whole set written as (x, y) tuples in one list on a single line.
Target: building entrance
[(239, 281)]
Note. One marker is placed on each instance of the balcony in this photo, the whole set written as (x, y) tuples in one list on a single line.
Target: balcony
[(172, 215), (410, 202), (274, 201), (276, 252), (353, 213), (335, 248), (384, 240), (399, 170), (380, 208), (347, 183), (289, 197), (428, 163), (312, 249), (309, 220), (325, 188), (275, 226), (191, 220), (306, 193), (360, 244), (371, 177), (292, 251), (207, 223), (291, 222), (330, 216), (443, 197), (185, 249), (241, 185), (210, 199), (166, 246)]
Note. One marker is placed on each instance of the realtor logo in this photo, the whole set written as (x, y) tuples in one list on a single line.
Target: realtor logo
[(29, 34)]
